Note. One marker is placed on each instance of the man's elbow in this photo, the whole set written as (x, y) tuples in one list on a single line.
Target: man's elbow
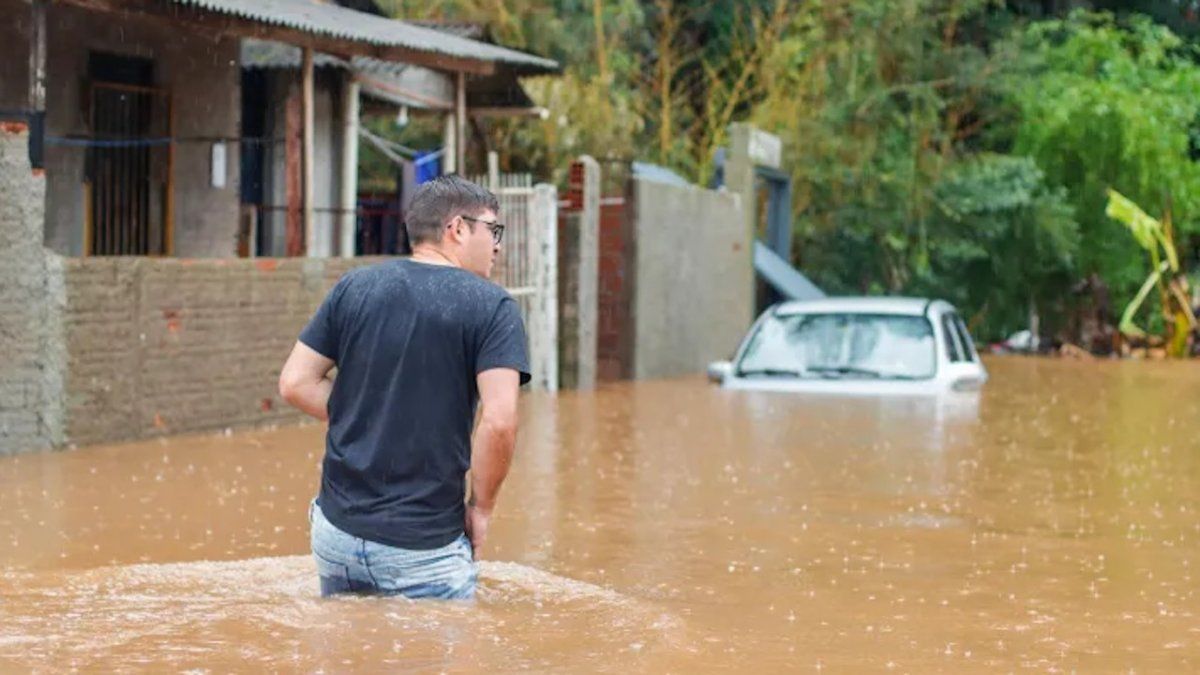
[(289, 386), (502, 426)]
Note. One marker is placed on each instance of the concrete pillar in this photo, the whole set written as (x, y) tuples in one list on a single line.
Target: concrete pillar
[(493, 170), (543, 314), (749, 148), (580, 280), (460, 121), (449, 147), (347, 218)]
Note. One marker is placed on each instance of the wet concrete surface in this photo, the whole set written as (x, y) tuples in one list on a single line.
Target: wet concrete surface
[(1050, 523)]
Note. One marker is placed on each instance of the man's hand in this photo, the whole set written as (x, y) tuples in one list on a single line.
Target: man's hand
[(477, 524)]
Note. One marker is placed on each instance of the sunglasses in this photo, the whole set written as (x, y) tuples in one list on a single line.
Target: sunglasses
[(494, 227)]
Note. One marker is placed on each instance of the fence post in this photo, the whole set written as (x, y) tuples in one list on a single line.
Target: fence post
[(493, 170), (543, 317), (588, 269)]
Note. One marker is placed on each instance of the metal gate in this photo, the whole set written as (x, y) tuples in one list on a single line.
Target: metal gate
[(528, 264), (128, 171)]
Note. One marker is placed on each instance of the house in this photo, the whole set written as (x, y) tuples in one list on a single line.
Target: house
[(124, 310), (139, 110), (346, 89)]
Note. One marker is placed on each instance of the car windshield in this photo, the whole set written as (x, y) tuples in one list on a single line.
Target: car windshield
[(841, 346)]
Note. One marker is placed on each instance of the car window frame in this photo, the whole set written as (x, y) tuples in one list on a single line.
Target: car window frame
[(956, 351)]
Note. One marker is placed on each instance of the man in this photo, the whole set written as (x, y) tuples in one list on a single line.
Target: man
[(418, 343)]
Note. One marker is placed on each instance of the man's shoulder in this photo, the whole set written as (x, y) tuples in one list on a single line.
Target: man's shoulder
[(358, 273), (458, 283), (468, 285)]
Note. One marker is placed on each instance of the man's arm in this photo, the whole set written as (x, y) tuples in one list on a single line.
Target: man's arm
[(492, 447), (304, 381)]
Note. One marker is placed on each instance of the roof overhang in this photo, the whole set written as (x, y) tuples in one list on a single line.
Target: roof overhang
[(330, 29), (402, 84)]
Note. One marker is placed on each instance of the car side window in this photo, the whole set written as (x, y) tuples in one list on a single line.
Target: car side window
[(964, 337), (955, 350)]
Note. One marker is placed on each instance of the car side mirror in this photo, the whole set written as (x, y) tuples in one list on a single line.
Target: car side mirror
[(719, 370)]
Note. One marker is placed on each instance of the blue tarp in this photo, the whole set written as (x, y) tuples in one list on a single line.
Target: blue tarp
[(784, 278), (428, 165)]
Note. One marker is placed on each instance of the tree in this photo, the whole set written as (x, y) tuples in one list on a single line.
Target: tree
[(1103, 104), (873, 101), (1002, 244)]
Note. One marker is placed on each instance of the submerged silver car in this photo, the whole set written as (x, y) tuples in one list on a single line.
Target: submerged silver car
[(856, 345)]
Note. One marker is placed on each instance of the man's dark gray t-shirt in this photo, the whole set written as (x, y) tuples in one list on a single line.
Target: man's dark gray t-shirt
[(408, 339)]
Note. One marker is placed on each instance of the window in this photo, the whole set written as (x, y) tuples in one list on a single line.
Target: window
[(964, 337), (955, 351), (127, 185), (842, 346)]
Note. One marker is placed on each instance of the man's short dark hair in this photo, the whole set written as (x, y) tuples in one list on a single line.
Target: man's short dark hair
[(439, 200)]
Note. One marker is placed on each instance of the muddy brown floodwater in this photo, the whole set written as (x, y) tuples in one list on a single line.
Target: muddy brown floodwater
[(1051, 523)]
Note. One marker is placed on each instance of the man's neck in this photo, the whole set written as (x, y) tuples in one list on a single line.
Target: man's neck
[(433, 255)]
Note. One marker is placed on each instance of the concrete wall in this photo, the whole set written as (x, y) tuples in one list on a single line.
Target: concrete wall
[(205, 79), (14, 55), (689, 300), (160, 346), (203, 76), (30, 304), (569, 255)]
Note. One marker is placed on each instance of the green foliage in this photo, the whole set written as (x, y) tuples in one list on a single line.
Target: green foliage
[(885, 108), (1101, 104), (1002, 241), (873, 101), (952, 148)]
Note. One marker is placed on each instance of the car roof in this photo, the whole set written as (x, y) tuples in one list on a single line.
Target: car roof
[(862, 304)]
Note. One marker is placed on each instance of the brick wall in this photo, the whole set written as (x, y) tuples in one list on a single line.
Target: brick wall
[(159, 346), (612, 348)]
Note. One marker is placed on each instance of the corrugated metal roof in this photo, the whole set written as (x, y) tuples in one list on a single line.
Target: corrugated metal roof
[(337, 22), (397, 83), (270, 54), (466, 29)]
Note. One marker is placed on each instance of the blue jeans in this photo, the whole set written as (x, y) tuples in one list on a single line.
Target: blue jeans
[(348, 564)]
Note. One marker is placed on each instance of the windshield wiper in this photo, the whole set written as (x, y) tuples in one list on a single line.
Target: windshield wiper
[(771, 372), (864, 372), (844, 370)]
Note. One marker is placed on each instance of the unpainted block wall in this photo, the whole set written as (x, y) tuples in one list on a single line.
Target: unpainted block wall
[(163, 346), (30, 300)]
